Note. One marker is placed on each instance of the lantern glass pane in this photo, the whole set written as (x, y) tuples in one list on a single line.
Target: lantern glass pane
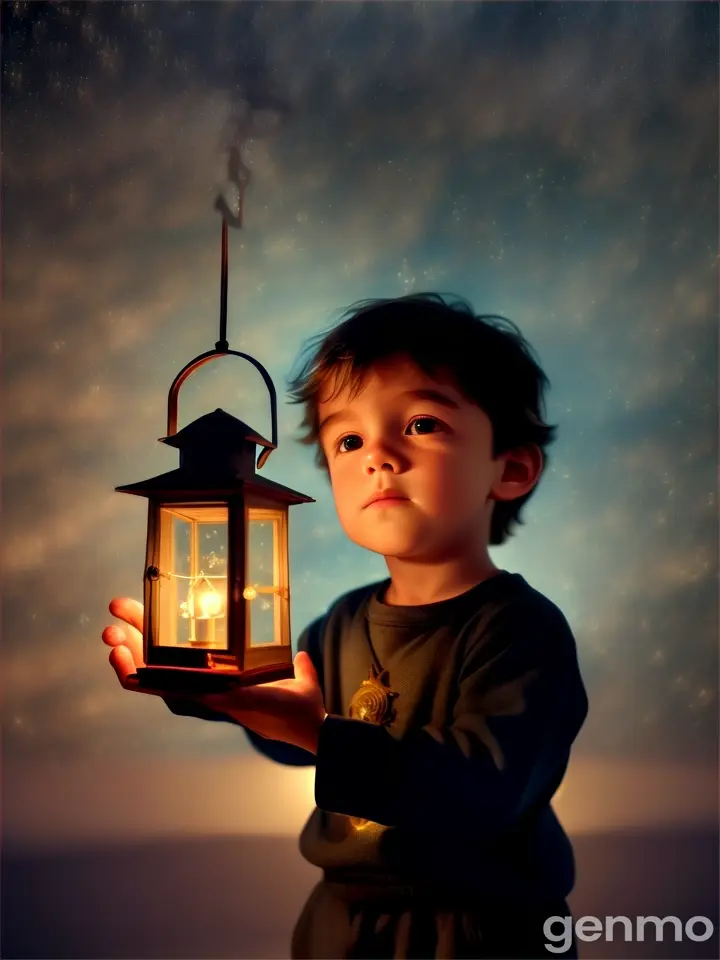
[(265, 576), (193, 576), (263, 621)]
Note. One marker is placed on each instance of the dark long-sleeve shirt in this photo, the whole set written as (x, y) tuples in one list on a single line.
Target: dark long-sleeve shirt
[(457, 790)]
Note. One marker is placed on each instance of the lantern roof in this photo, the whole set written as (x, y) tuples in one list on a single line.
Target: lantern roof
[(183, 483), (218, 426), (216, 461)]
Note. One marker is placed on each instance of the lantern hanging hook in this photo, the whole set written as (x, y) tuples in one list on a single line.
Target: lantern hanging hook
[(239, 173), (200, 361)]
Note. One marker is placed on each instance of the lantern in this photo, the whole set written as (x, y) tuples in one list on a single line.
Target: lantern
[(217, 583)]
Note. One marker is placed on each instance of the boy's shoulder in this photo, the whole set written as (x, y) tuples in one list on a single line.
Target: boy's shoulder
[(521, 615), (524, 600)]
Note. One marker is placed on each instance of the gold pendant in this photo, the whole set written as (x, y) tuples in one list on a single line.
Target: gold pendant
[(373, 702)]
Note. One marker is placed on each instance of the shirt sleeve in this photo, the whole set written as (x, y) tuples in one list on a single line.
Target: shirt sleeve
[(519, 706), (310, 640)]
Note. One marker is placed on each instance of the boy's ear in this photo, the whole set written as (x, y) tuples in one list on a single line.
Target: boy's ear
[(518, 471)]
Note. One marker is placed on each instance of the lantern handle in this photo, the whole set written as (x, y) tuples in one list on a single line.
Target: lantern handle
[(221, 350)]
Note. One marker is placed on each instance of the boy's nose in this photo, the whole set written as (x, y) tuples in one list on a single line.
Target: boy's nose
[(379, 457)]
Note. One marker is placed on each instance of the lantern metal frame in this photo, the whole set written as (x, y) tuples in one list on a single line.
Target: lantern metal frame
[(224, 478)]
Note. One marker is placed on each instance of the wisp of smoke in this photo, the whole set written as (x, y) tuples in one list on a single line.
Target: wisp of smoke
[(248, 123)]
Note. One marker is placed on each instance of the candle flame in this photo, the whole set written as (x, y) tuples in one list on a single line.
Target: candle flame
[(209, 602)]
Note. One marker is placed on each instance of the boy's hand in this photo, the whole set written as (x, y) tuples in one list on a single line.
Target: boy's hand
[(287, 710), (127, 642)]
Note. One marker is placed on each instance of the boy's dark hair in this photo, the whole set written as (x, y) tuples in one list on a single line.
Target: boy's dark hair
[(489, 359)]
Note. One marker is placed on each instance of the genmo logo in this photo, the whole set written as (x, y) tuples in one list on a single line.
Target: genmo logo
[(559, 930)]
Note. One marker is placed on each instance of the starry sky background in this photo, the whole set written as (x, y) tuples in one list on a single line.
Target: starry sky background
[(556, 164)]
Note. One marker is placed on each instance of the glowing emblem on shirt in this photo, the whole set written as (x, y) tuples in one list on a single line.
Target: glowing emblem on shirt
[(373, 702)]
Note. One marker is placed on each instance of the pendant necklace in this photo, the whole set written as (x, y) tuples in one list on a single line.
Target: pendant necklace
[(373, 702)]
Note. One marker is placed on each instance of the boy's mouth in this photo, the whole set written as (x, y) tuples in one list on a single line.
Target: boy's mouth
[(383, 498)]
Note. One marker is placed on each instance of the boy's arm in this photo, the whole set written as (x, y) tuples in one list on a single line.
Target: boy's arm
[(520, 705), (310, 640)]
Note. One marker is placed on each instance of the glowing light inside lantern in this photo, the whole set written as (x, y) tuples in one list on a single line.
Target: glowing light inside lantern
[(209, 601), (249, 593), (205, 605)]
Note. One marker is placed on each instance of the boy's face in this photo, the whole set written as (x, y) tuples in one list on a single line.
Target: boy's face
[(438, 455)]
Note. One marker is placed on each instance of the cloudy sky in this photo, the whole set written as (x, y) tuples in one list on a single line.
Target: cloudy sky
[(554, 163)]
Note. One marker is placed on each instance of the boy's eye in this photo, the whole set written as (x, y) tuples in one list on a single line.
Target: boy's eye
[(341, 449), (428, 424), (428, 421)]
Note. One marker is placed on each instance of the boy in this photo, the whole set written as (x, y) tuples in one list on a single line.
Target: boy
[(440, 704)]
